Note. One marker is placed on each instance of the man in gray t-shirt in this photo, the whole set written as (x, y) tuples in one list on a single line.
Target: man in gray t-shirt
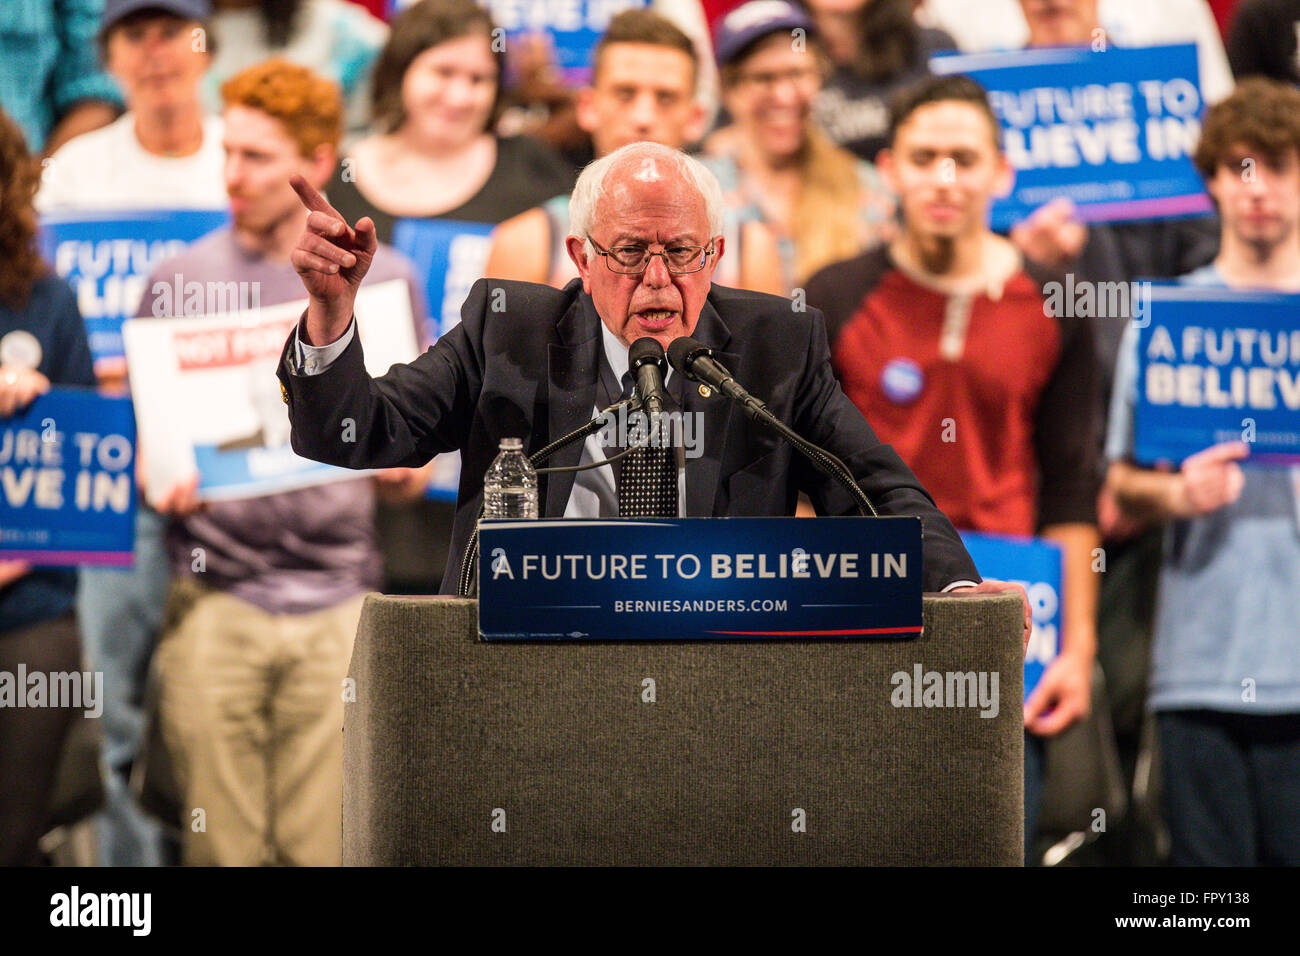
[(269, 589), (1225, 676)]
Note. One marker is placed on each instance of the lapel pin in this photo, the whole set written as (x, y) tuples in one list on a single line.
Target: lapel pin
[(705, 391)]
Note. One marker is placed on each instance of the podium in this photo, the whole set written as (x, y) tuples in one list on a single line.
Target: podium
[(807, 752)]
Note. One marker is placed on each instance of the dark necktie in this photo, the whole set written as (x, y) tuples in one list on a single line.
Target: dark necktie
[(647, 482)]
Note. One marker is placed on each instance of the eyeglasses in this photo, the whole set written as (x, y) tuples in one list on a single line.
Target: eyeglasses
[(634, 260)]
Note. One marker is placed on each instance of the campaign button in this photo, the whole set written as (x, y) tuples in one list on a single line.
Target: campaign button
[(902, 381)]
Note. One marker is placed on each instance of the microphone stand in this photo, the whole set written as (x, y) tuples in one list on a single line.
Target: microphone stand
[(825, 461), (467, 585)]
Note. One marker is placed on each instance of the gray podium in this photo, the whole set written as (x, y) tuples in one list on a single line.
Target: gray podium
[(458, 751)]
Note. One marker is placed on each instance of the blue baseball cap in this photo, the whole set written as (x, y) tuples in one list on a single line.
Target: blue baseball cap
[(117, 10), (750, 22)]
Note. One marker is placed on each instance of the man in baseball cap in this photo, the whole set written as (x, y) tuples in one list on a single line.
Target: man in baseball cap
[(164, 154), (750, 22), (115, 11)]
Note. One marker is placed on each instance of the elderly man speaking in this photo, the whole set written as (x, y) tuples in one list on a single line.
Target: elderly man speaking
[(532, 362)]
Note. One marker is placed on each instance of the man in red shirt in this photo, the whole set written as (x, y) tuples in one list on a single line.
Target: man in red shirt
[(946, 342)]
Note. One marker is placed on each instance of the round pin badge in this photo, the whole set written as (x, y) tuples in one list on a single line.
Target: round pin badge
[(902, 381), (20, 348)]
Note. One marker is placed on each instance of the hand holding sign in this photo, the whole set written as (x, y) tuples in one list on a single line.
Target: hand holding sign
[(1209, 480), (11, 571), (1052, 235), (19, 387), (331, 258), (181, 499)]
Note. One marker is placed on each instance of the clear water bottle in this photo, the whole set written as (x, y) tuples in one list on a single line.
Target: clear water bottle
[(510, 485)]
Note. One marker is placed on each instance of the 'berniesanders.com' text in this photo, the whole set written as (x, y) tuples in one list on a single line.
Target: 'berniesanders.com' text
[(679, 606)]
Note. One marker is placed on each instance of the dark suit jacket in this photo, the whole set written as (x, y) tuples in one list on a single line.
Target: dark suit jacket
[(524, 363)]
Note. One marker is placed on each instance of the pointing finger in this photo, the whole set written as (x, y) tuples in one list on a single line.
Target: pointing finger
[(310, 196)]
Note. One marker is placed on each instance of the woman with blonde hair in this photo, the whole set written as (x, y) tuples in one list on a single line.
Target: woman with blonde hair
[(823, 203)]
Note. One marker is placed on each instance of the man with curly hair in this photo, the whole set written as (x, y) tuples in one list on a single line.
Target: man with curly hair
[(259, 634), (1228, 603)]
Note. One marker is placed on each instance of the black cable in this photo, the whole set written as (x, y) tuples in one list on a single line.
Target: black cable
[(467, 584), (825, 461), (594, 464)]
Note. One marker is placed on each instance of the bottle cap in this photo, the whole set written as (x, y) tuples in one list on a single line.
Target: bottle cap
[(512, 444)]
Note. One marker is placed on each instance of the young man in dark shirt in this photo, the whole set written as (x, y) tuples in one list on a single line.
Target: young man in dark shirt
[(947, 342)]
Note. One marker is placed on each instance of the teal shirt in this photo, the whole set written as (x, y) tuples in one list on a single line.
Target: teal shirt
[(1228, 604), (48, 61)]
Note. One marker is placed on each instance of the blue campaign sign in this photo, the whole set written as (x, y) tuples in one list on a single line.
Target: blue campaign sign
[(1216, 365), (1036, 565), (107, 259), (451, 256), (700, 579), (67, 481), (574, 26), (1113, 131)]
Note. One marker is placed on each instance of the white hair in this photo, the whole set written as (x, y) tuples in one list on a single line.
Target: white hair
[(591, 185)]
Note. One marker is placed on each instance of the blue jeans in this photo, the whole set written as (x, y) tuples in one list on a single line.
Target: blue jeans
[(1231, 787), (120, 611)]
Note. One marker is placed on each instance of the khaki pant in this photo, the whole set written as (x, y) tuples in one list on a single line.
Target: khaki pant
[(252, 713)]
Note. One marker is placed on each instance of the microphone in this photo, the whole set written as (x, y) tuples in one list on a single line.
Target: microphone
[(695, 360), (645, 359)]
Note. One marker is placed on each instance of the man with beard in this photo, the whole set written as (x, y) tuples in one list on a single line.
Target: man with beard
[(945, 341)]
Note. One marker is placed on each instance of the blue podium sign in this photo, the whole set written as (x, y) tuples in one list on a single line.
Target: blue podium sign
[(1113, 131), (700, 579), (1216, 365), (67, 481), (1034, 564)]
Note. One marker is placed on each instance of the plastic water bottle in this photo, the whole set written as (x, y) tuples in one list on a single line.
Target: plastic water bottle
[(510, 485)]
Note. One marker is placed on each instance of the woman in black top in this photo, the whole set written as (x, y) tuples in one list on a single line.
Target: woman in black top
[(436, 96), (42, 343), (437, 91), (878, 49)]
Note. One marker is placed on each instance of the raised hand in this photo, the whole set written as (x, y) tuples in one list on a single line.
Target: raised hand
[(331, 258)]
